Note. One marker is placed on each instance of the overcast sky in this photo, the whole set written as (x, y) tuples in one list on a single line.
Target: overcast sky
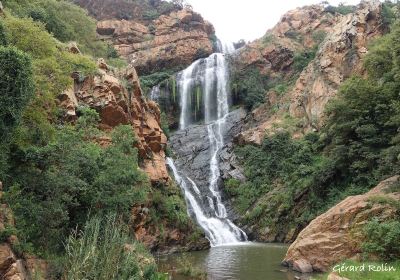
[(248, 19)]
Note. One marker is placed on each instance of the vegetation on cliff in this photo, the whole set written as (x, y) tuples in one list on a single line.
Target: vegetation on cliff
[(58, 174), (291, 181)]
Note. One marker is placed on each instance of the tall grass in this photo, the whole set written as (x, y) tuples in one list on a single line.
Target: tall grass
[(103, 250)]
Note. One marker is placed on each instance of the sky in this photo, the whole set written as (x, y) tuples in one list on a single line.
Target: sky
[(248, 19)]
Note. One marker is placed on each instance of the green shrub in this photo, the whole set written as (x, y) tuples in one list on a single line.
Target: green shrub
[(319, 36), (150, 15), (7, 232), (3, 38), (55, 186), (149, 81), (341, 9), (295, 35), (302, 59), (16, 90), (64, 20), (382, 239), (16, 87), (164, 124), (249, 87)]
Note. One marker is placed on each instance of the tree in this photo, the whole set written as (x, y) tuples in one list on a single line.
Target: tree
[(16, 89)]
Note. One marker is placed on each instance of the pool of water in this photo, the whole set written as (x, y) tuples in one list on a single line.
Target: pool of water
[(248, 261)]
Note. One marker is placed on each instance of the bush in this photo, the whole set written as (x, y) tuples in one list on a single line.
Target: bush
[(319, 36), (382, 239), (3, 38), (103, 250), (150, 15), (149, 81), (249, 87), (301, 60), (64, 20), (16, 87), (55, 187), (16, 90), (341, 9)]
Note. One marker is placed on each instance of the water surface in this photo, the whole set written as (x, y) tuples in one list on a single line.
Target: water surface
[(248, 261)]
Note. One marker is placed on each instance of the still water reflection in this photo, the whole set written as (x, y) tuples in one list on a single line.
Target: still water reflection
[(249, 261)]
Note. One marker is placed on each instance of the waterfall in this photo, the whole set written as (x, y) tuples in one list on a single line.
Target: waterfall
[(211, 75), (218, 231)]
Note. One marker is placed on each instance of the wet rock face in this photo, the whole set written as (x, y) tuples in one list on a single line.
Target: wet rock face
[(117, 105), (192, 151), (332, 236)]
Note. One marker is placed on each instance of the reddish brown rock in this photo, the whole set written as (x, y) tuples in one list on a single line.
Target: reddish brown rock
[(117, 105), (335, 235), (339, 57), (173, 40), (273, 54)]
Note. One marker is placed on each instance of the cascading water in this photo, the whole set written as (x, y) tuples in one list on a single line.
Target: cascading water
[(211, 74)]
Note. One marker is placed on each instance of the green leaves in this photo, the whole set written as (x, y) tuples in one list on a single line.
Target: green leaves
[(382, 239), (72, 176), (16, 87)]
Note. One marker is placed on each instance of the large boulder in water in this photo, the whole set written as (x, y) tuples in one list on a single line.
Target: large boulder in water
[(332, 236)]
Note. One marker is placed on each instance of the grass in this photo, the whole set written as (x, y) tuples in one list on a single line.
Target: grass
[(368, 272), (103, 250)]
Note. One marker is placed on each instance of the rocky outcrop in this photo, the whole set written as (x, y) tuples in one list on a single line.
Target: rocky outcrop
[(152, 35), (335, 235), (164, 238), (172, 41), (339, 57), (297, 30), (122, 104)]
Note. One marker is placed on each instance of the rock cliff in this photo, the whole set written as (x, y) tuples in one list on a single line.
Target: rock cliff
[(150, 37), (339, 57), (335, 235), (117, 104), (340, 42), (297, 30)]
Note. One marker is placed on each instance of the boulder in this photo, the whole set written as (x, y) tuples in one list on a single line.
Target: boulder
[(73, 48), (335, 235)]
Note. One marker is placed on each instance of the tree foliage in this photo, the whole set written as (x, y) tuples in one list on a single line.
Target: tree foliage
[(16, 90), (55, 186)]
